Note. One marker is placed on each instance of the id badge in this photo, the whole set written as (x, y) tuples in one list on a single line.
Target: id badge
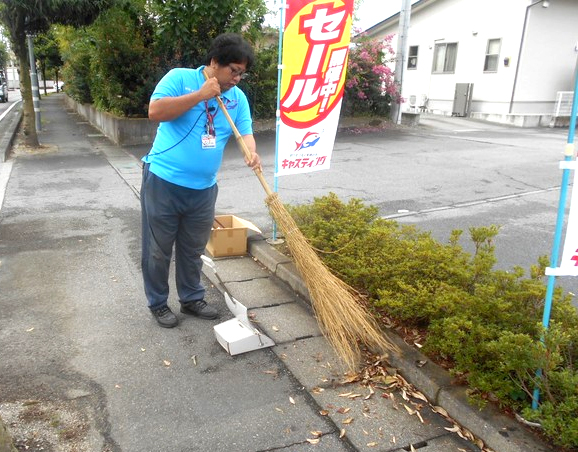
[(208, 141)]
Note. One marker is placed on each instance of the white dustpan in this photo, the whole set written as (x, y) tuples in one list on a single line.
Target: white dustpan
[(237, 335)]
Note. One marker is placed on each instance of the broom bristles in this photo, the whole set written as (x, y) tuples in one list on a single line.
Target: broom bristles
[(342, 319)]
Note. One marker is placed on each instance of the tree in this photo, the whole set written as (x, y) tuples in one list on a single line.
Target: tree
[(185, 28), (122, 70), (3, 56), (30, 17), (48, 55)]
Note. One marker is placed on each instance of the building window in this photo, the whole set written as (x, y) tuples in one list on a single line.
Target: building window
[(412, 57), (445, 56), (492, 55)]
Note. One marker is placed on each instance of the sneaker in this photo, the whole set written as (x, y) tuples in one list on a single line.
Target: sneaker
[(165, 317), (200, 309)]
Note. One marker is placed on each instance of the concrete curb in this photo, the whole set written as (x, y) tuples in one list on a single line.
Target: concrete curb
[(14, 116), (498, 431)]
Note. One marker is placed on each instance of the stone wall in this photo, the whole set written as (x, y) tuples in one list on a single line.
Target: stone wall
[(122, 131)]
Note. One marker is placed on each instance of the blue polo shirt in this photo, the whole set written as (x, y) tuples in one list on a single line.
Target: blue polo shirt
[(177, 155)]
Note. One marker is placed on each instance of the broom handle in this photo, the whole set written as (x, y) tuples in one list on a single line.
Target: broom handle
[(241, 143)]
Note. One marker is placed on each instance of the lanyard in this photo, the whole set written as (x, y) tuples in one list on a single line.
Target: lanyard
[(210, 122)]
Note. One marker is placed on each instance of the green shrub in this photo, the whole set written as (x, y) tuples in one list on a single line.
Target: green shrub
[(122, 79), (482, 322), (76, 70)]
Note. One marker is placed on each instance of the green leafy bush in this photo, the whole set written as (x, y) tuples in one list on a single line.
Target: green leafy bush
[(122, 79), (76, 50), (485, 324)]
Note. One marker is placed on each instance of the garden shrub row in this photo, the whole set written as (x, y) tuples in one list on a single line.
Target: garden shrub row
[(484, 324)]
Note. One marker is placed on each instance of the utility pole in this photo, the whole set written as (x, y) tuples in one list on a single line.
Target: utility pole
[(34, 83), (401, 56)]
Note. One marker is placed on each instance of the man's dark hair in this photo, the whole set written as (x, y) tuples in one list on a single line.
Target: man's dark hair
[(231, 48)]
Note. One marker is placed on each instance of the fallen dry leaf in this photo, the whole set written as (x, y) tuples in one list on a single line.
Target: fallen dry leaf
[(275, 328), (351, 379), (313, 441), (317, 390), (30, 329), (279, 409), (342, 433), (418, 414), (347, 421), (292, 400), (166, 363), (372, 444), (371, 392), (194, 358), (409, 410), (440, 410), (316, 433), (404, 395), (323, 412), (390, 379), (343, 410), (418, 395)]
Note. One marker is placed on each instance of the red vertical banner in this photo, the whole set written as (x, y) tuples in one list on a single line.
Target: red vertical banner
[(315, 51)]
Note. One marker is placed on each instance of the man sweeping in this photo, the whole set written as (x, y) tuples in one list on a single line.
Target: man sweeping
[(179, 183)]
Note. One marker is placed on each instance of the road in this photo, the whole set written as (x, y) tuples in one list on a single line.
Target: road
[(13, 98)]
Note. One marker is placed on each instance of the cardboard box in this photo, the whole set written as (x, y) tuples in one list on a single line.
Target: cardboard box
[(229, 236)]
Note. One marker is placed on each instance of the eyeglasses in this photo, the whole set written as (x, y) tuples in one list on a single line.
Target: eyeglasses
[(238, 72)]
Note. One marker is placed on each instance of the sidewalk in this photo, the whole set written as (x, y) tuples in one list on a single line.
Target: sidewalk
[(81, 353)]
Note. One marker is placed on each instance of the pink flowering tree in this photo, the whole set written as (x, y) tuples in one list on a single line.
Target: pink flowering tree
[(370, 88)]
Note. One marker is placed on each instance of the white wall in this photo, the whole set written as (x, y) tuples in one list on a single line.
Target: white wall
[(12, 77), (549, 55), (547, 61)]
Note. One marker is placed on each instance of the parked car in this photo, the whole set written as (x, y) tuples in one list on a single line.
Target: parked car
[(4, 92)]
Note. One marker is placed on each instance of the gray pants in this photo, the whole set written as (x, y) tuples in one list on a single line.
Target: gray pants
[(174, 216)]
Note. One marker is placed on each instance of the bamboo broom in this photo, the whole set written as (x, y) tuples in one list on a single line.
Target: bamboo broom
[(343, 320)]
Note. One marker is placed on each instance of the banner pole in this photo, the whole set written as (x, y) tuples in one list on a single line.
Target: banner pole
[(568, 156), (282, 6)]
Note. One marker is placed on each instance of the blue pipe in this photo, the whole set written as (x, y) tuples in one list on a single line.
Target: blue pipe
[(558, 231), (278, 106)]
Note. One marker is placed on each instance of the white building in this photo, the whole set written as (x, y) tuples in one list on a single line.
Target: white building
[(502, 60), (13, 77)]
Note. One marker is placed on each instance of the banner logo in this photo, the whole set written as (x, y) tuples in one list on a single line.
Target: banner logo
[(310, 139)]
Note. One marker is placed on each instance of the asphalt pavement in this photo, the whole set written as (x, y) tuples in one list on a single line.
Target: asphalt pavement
[(84, 364)]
